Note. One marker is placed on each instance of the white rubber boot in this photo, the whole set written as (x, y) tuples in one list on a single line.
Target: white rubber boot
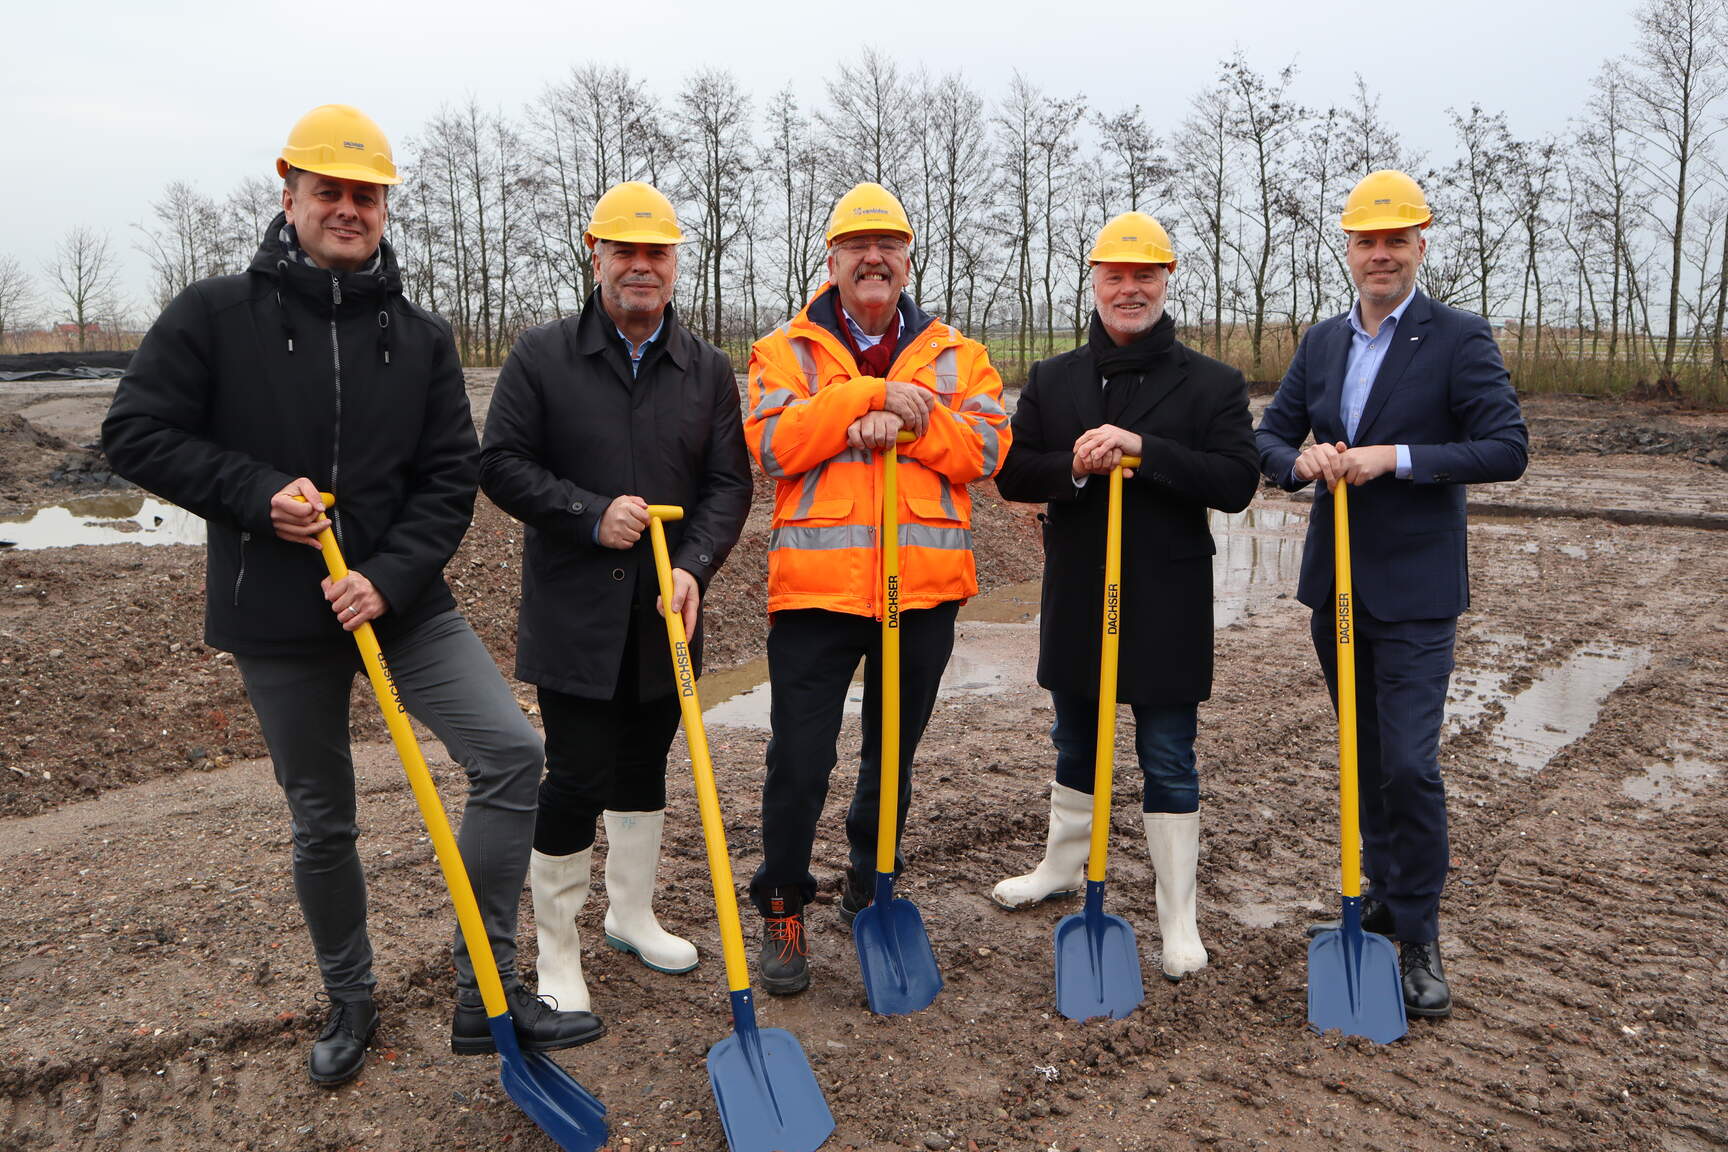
[(560, 886), (1173, 839), (1062, 872), (632, 861)]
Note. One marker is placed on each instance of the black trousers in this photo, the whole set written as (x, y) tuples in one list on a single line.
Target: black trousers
[(811, 657), (1402, 670), (602, 755)]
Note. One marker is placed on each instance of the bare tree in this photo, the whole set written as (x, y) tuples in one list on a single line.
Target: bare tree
[(245, 214), (1135, 157), (1018, 122), (183, 244), (85, 271), (957, 158), (870, 121), (1679, 72), (1054, 151), (1369, 144), (1476, 183), (792, 161), (1264, 122), (17, 295), (714, 116), (1608, 151), (1207, 149)]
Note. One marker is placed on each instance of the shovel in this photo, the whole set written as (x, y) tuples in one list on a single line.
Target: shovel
[(894, 954), (1097, 959), (766, 1093), (549, 1096), (1353, 982)]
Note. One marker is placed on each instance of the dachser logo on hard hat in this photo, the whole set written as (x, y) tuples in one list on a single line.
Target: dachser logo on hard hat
[(354, 144)]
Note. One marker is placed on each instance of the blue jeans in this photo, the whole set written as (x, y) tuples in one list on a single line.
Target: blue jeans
[(1163, 741)]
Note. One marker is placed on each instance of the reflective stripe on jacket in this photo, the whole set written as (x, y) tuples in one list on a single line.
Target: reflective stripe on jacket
[(805, 391)]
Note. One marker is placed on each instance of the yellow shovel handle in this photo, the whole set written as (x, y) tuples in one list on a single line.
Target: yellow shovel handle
[(888, 800), (425, 793), (1112, 628), (701, 763), (1349, 816)]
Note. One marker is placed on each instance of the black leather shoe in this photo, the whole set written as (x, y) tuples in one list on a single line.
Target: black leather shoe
[(1376, 918), (1425, 990), (784, 962), (856, 892), (539, 1026), (340, 1050)]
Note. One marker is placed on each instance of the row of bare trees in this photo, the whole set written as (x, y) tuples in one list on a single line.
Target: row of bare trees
[(1601, 250)]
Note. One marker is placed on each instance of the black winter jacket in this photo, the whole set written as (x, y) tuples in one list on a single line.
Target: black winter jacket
[(1192, 415), (570, 430), (248, 381)]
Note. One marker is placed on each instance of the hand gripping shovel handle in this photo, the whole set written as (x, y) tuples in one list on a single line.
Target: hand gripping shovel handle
[(1103, 772), (696, 736), (1350, 830), (425, 793)]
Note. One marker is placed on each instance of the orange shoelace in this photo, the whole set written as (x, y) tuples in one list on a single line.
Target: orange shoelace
[(789, 932)]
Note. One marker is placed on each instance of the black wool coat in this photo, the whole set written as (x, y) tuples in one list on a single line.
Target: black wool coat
[(1192, 414), (568, 431)]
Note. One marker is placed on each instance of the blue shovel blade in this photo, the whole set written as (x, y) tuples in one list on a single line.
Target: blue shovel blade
[(766, 1093), (1097, 962), (548, 1095), (895, 958), (1353, 984)]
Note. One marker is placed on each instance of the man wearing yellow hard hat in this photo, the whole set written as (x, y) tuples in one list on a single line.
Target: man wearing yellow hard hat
[(1407, 401), (829, 390), (1132, 389), (311, 370), (594, 417)]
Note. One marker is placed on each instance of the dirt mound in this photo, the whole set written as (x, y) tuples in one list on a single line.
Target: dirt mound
[(29, 453)]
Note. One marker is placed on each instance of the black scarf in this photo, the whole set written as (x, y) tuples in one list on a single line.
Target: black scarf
[(1110, 359)]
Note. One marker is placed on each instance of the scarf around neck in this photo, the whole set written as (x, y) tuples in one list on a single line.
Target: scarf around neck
[(1110, 359)]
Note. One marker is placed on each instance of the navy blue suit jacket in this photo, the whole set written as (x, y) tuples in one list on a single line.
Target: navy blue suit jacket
[(1443, 391)]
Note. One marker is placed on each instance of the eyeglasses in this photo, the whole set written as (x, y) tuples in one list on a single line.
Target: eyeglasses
[(887, 245)]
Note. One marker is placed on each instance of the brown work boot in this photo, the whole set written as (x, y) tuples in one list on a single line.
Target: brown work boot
[(784, 962)]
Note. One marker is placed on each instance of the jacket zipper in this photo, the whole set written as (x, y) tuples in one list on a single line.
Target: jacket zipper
[(241, 575), (336, 438)]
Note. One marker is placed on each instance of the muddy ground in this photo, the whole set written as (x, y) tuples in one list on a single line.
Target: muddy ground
[(156, 988)]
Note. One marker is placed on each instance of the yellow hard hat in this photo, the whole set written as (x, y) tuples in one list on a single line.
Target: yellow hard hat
[(1383, 200), (633, 213), (1133, 238), (341, 141), (868, 208)]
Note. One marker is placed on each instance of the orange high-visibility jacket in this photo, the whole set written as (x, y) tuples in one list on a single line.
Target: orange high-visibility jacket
[(805, 391)]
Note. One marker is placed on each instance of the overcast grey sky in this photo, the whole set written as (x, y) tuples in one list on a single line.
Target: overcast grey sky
[(103, 104)]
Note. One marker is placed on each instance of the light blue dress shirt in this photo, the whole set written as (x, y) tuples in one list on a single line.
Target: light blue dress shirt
[(1367, 352), (862, 338), (636, 350)]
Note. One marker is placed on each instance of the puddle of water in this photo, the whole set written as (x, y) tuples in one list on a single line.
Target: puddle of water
[(987, 661), (1480, 683), (1666, 786), (1562, 704), (1255, 546), (108, 519)]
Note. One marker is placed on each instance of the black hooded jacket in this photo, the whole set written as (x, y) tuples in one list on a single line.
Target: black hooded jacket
[(248, 381)]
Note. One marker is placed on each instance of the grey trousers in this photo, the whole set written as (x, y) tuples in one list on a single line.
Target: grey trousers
[(448, 682)]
